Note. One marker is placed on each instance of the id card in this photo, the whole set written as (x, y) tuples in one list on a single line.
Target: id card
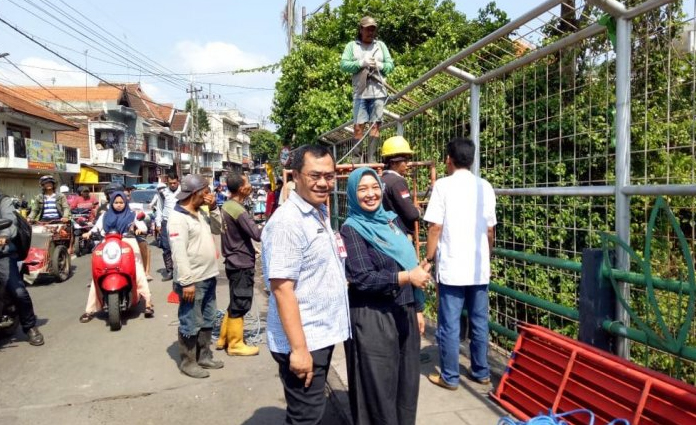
[(341, 246)]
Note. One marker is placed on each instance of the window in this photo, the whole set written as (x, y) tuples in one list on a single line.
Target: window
[(18, 131)]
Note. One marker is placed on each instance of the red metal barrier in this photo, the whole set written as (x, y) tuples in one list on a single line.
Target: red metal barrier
[(549, 371)]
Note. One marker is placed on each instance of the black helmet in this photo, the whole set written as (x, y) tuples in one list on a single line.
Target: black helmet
[(47, 179), (81, 189), (113, 187)]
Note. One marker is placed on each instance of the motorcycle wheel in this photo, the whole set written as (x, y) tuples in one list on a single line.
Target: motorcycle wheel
[(78, 249), (114, 311), (60, 263)]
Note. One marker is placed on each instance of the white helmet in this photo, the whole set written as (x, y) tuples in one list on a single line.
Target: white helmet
[(64, 189)]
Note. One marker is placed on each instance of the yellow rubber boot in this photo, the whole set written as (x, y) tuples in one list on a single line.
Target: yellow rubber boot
[(222, 340), (235, 339)]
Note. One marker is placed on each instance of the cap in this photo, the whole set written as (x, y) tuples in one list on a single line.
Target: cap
[(368, 21), (191, 183)]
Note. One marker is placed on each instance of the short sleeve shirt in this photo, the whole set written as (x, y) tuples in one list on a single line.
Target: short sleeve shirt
[(464, 205), (298, 244)]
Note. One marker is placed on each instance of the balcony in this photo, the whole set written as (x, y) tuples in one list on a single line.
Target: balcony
[(185, 157), (212, 161), (162, 156), (136, 149), (31, 154)]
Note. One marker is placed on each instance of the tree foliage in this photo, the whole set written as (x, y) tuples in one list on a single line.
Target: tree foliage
[(265, 146), (313, 96), (200, 117)]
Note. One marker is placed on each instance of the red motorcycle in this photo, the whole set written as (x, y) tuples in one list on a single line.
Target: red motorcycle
[(113, 271)]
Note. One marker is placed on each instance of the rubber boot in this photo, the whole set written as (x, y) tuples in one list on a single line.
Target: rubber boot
[(372, 149), (235, 339), (187, 350), (222, 341), (356, 155), (204, 354)]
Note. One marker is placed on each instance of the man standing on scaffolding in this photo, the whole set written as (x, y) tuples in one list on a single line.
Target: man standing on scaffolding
[(369, 61)]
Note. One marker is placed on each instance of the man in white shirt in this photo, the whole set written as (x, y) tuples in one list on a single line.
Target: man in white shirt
[(461, 217), (167, 201)]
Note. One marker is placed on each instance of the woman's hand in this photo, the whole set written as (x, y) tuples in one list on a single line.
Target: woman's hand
[(420, 276)]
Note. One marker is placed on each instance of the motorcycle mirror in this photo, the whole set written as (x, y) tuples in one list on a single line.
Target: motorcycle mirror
[(5, 223)]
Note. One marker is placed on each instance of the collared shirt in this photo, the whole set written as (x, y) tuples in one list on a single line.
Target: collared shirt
[(298, 244), (238, 230), (193, 247), (464, 205), (165, 209)]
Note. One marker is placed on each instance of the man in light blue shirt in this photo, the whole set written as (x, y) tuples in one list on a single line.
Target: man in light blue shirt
[(165, 205), (303, 264)]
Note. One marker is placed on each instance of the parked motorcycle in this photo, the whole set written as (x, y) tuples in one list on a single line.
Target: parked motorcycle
[(49, 255), (9, 316), (113, 271)]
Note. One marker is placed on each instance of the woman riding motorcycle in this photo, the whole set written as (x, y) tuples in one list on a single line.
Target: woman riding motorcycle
[(121, 219)]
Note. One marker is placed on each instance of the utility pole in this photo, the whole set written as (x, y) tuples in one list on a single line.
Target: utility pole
[(193, 92), (290, 18)]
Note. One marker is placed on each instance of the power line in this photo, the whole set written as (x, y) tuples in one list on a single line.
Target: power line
[(74, 64), (41, 85)]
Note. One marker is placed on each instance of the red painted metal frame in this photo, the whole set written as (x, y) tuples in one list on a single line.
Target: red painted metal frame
[(550, 371)]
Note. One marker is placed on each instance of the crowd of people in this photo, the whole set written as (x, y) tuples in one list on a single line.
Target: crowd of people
[(361, 285)]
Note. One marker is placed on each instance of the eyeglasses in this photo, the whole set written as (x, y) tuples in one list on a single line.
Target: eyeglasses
[(315, 177)]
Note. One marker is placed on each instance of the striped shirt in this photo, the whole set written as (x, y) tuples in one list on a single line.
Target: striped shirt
[(298, 244), (50, 210)]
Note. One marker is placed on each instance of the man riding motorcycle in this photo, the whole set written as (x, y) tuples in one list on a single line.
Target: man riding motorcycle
[(49, 205)]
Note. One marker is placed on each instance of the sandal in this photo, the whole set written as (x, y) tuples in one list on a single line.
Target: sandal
[(149, 312), (86, 317)]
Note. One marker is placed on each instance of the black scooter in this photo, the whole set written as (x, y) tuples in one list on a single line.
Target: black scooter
[(9, 316)]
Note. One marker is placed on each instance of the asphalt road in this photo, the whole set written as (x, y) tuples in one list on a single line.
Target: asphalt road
[(86, 374)]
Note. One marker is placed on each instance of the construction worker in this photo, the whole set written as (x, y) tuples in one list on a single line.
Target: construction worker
[(396, 153), (369, 61)]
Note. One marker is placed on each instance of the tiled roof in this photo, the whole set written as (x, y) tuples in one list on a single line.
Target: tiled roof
[(145, 106), (102, 92), (179, 121), (14, 100)]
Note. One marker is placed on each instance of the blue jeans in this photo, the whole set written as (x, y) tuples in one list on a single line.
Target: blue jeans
[(452, 300), (200, 313)]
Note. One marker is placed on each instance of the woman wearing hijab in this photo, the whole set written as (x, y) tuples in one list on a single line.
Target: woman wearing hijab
[(386, 304), (121, 219)]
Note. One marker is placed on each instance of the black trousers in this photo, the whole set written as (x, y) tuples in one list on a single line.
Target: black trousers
[(13, 284), (166, 247), (305, 406), (241, 283), (383, 360)]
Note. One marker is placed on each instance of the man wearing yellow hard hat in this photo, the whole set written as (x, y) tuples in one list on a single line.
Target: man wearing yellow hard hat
[(396, 153)]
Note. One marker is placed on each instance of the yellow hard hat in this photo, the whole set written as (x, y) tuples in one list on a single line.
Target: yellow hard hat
[(396, 145)]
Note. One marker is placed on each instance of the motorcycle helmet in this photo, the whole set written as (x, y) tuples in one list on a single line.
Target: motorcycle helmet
[(82, 189), (47, 179), (113, 187)]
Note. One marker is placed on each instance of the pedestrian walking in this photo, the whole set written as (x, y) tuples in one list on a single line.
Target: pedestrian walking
[(461, 217), (369, 61), (195, 272), (166, 202), (303, 264), (386, 307), (238, 233)]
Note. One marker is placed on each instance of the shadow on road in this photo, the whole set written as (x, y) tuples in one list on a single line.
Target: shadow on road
[(265, 415)]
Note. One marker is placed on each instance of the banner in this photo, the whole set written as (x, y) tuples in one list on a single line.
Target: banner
[(40, 154)]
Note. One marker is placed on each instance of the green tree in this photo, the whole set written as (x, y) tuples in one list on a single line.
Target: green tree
[(313, 95), (265, 146)]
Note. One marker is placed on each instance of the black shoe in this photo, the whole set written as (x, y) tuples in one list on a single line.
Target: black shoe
[(35, 337), (167, 277)]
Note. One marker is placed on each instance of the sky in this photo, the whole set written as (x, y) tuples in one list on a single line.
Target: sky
[(163, 45)]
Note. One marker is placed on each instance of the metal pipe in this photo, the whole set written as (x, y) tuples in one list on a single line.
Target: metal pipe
[(567, 41), (563, 311), (434, 102), (466, 76), (645, 7), (660, 189), (573, 266), (480, 44), (622, 220), (474, 124), (392, 115), (624, 332), (558, 191), (612, 7)]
